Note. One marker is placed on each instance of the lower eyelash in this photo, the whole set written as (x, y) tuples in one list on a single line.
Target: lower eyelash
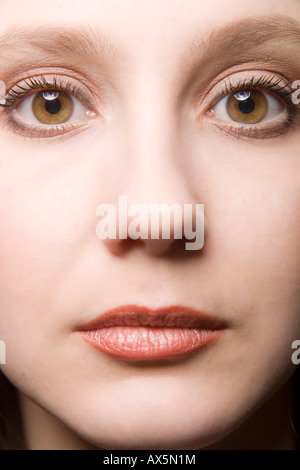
[(32, 131), (256, 131)]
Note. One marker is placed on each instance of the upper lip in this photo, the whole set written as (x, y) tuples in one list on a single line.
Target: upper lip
[(166, 317)]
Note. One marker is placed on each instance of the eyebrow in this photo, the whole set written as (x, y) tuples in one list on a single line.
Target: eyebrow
[(53, 44), (244, 37), (57, 46)]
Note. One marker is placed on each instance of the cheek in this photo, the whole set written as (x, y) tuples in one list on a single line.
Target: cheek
[(49, 194), (251, 256), (48, 216), (255, 246), (252, 207), (266, 226)]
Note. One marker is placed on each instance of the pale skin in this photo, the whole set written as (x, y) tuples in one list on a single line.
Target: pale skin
[(153, 135)]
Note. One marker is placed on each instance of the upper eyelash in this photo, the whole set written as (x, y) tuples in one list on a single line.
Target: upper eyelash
[(17, 92), (264, 82)]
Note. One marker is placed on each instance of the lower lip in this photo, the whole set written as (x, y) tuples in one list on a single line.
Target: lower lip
[(148, 343)]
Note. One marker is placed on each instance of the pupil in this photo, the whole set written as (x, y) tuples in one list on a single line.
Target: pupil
[(247, 106), (53, 106)]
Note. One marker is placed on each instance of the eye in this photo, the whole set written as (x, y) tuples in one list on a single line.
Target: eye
[(51, 107), (249, 107)]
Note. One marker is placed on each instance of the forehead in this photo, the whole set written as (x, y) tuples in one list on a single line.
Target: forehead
[(142, 21)]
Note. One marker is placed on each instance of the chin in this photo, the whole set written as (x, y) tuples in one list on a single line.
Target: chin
[(145, 426)]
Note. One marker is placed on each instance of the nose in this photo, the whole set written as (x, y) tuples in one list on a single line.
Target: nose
[(157, 209), (162, 228)]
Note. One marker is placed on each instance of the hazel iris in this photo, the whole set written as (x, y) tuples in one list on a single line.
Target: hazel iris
[(247, 106), (52, 107)]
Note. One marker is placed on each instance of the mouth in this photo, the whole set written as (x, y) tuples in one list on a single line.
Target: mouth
[(139, 333)]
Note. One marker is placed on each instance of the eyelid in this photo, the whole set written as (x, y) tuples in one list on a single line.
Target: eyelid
[(240, 80)]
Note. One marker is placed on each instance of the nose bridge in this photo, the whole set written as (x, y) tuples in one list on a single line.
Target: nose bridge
[(154, 150), (150, 118)]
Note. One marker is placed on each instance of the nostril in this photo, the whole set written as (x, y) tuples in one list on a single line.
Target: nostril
[(154, 247)]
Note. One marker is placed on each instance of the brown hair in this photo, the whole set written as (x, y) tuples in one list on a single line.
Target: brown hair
[(11, 433)]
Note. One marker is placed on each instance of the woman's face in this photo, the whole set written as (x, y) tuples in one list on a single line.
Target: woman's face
[(153, 117)]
